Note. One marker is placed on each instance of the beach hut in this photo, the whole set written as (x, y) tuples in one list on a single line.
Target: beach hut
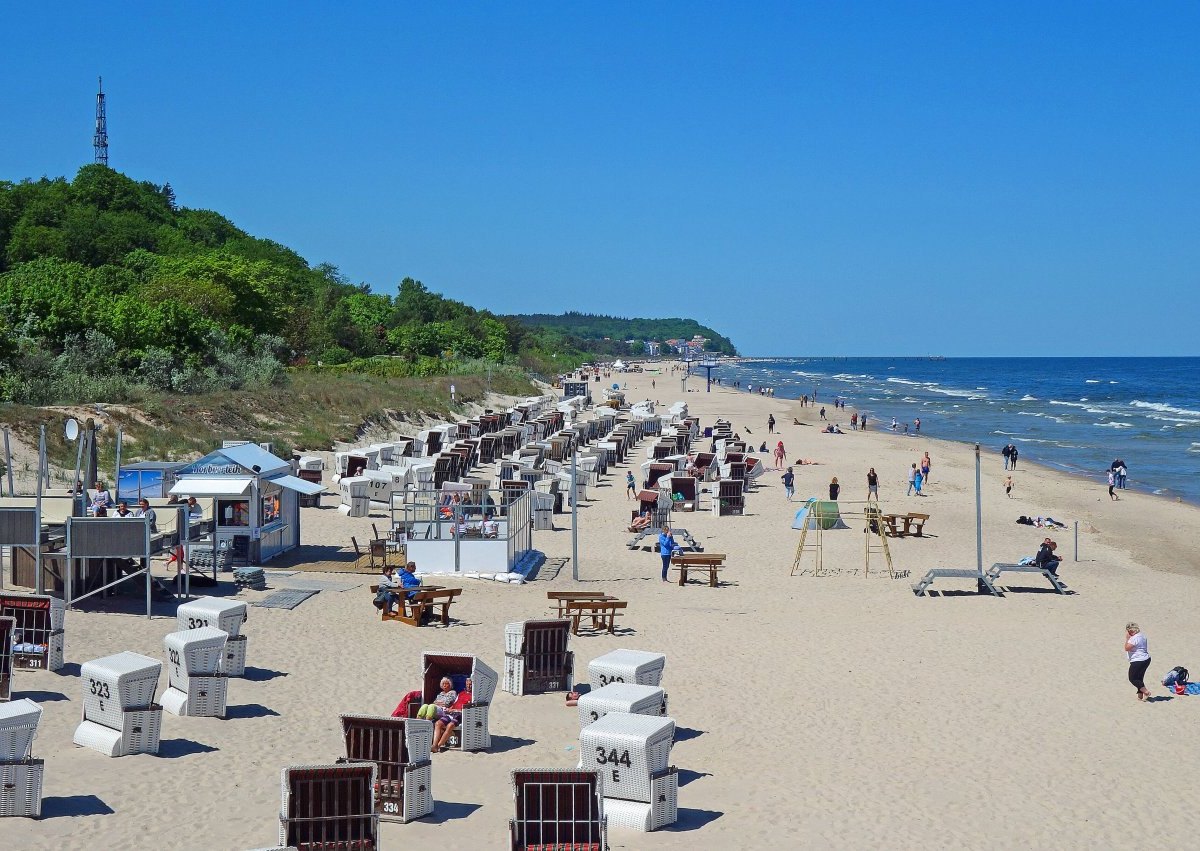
[(255, 497)]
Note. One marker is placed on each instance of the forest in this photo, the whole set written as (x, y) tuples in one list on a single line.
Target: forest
[(593, 331), (110, 289)]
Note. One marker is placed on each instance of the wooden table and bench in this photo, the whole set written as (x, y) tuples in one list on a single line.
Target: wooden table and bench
[(425, 600), (900, 525), (604, 613), (712, 562), (561, 599)]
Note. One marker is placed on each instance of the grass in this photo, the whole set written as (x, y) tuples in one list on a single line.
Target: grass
[(310, 411)]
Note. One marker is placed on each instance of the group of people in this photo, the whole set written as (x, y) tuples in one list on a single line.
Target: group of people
[(1117, 475), (102, 504), (392, 586), (446, 712), (1010, 456), (918, 475)]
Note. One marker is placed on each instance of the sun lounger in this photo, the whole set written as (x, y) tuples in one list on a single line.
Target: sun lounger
[(984, 581), (1054, 579)]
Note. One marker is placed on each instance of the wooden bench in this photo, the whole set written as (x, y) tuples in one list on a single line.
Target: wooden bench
[(913, 524), (712, 562), (603, 613), (560, 599)]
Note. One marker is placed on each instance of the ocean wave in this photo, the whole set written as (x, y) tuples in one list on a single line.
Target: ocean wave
[(1028, 398), (913, 383), (1068, 404), (1176, 420), (1040, 414), (1114, 424), (958, 394), (1092, 381), (1015, 433), (1166, 409), (1195, 447)]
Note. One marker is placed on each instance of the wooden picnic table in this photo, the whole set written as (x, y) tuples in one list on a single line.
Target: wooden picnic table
[(561, 598), (712, 562), (913, 524), (424, 600), (603, 613)]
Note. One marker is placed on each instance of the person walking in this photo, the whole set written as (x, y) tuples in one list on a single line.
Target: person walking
[(1112, 481), (630, 485), (854, 422), (834, 490), (1137, 648), (770, 424), (918, 480), (667, 547), (789, 483), (780, 455), (1008, 486), (1122, 473), (1006, 452), (872, 485), (1012, 456), (925, 465), (822, 412), (912, 478), (862, 423), (917, 426)]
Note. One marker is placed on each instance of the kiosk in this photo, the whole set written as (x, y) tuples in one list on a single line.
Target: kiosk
[(256, 505)]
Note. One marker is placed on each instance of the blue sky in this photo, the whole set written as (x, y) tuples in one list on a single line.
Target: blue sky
[(809, 178)]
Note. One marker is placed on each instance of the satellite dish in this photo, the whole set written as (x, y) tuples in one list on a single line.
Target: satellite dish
[(71, 429)]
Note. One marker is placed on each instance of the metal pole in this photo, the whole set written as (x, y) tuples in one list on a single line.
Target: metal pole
[(39, 584), (75, 489), (978, 515), (117, 472), (575, 514), (8, 464), (1076, 540)]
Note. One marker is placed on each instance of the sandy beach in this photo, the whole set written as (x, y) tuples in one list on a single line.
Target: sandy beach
[(838, 711)]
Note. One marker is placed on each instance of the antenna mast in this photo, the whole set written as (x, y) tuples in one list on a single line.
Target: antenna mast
[(100, 140)]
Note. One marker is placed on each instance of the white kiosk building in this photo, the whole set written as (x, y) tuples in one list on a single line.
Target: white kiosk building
[(255, 500)]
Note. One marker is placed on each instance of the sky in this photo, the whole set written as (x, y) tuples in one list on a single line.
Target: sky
[(890, 178)]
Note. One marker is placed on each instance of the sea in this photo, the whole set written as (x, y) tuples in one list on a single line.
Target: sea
[(1074, 414)]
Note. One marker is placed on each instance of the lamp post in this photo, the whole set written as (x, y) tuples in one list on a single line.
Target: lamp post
[(978, 515), (574, 511)]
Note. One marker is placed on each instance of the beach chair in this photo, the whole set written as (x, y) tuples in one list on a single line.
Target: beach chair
[(638, 667), (627, 698), (329, 807), (1053, 578), (399, 748), (473, 733), (559, 809), (731, 497), (632, 754), (536, 658), (120, 716)]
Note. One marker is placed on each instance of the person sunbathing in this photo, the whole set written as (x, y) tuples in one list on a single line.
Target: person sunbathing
[(450, 719), (641, 522), (444, 700)]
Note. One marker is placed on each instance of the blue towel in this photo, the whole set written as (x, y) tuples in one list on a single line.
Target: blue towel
[(1193, 688)]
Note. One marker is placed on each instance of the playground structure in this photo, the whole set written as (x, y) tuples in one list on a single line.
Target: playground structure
[(818, 516)]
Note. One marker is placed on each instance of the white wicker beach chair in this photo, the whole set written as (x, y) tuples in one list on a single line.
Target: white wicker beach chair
[(21, 788), (399, 748), (195, 686), (115, 684), (621, 697), (557, 809), (18, 725), (329, 807), (226, 615), (627, 666), (629, 752), (536, 658), (473, 734)]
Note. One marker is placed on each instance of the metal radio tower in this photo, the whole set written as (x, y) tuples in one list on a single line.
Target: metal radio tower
[(100, 140)]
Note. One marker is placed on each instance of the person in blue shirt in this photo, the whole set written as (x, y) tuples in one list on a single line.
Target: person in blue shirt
[(409, 579), (667, 547), (789, 483)]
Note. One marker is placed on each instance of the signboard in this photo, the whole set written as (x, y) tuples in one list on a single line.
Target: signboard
[(214, 464), (574, 388)]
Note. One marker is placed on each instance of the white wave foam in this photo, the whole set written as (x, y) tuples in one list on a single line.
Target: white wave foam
[(1177, 420), (1114, 424), (1068, 404), (1015, 433), (1092, 381), (1166, 409), (1195, 447), (1040, 414), (1028, 398)]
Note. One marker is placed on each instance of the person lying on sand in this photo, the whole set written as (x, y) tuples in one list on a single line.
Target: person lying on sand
[(641, 522), (805, 462)]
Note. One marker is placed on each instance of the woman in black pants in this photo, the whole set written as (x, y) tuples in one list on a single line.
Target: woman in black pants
[(1138, 651)]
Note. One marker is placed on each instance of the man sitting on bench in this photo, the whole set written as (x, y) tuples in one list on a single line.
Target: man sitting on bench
[(1047, 558)]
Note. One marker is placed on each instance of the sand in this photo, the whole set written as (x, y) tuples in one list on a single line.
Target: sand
[(838, 711)]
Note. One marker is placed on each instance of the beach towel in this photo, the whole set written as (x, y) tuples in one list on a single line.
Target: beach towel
[(401, 710)]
